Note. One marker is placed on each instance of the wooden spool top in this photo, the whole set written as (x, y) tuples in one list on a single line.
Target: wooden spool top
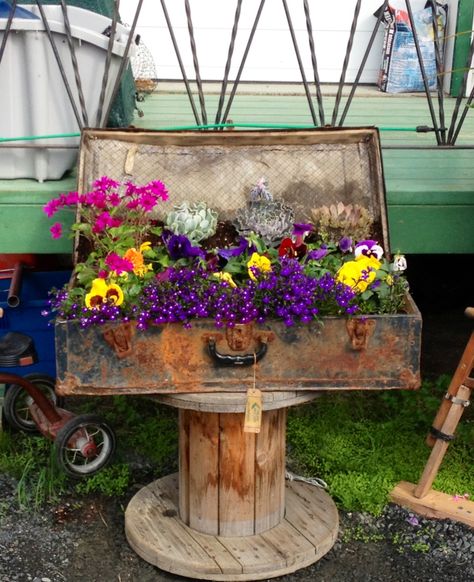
[(233, 401)]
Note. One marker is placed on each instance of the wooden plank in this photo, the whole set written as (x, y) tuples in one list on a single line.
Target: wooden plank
[(210, 544), (158, 532), (184, 426), (295, 546), (203, 471), (236, 477), (315, 522), (255, 554), (434, 504), (270, 471)]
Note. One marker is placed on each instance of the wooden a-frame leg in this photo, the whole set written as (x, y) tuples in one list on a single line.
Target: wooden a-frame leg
[(465, 366), (441, 445)]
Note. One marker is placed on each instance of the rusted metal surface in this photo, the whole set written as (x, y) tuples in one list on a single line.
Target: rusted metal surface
[(170, 358)]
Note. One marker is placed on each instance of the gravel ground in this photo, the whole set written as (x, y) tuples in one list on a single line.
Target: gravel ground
[(85, 542)]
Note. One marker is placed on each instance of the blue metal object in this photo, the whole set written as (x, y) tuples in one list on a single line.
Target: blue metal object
[(6, 8)]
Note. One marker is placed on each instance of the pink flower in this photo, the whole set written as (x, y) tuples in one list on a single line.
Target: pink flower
[(56, 230), (105, 183), (103, 221), (118, 264), (51, 207)]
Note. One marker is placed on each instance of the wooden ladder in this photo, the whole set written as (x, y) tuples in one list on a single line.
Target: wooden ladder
[(421, 498)]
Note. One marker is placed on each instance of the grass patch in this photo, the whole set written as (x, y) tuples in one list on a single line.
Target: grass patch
[(360, 443)]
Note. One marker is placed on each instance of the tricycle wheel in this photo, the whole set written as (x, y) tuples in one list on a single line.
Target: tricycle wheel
[(84, 445), (17, 401)]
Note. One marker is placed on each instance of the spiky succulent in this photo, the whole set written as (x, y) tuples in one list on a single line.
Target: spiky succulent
[(264, 216), (196, 221), (340, 219)]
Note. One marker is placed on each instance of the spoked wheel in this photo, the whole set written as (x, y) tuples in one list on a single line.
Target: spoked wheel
[(84, 445), (17, 401)]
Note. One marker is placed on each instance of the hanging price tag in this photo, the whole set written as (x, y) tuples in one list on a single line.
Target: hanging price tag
[(253, 411)]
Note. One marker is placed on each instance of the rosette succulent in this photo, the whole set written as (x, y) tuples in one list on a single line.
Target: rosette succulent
[(196, 221), (264, 216)]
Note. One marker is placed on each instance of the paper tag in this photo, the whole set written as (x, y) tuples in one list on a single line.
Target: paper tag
[(253, 411)]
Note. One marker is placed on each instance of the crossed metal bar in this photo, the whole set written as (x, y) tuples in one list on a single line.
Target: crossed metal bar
[(444, 136)]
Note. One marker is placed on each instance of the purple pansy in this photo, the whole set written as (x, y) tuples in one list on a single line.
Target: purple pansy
[(238, 250), (318, 254), (179, 247)]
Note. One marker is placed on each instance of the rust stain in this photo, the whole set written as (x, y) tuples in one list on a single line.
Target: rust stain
[(119, 338)]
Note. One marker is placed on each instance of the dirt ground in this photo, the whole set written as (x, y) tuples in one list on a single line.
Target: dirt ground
[(85, 542)]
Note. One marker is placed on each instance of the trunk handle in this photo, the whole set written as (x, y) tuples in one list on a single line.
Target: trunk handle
[(236, 360)]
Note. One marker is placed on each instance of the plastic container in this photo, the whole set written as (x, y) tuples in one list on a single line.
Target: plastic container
[(33, 98), (27, 317)]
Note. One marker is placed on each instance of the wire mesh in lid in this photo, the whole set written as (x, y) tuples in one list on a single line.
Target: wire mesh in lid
[(304, 169)]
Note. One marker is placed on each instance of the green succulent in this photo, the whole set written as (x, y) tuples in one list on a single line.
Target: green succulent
[(264, 216), (196, 221)]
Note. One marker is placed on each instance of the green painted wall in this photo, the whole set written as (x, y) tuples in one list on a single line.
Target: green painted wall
[(462, 43)]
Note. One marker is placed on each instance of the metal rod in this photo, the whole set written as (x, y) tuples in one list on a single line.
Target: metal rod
[(363, 62), (346, 62), (423, 72), (180, 62), (123, 63), (75, 66), (60, 65), (244, 58), (192, 41), (319, 96), (300, 63), (38, 147), (7, 29), (439, 70), (467, 107), (108, 59), (460, 95), (230, 52), (427, 147)]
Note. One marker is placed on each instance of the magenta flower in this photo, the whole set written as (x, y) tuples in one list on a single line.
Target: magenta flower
[(56, 230), (105, 183), (147, 201), (118, 264), (103, 221), (158, 189)]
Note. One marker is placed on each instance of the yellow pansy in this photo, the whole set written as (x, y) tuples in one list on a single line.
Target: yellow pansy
[(96, 295), (101, 293), (359, 274), (259, 262), (114, 294), (226, 277)]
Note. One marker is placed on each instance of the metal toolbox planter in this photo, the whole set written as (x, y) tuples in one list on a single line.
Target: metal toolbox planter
[(305, 169)]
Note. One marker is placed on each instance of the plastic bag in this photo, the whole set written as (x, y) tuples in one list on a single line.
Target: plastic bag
[(400, 71)]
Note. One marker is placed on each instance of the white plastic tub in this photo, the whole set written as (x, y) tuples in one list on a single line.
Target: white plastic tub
[(33, 97)]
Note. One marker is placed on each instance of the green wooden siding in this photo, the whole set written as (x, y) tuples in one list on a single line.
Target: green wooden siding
[(430, 193)]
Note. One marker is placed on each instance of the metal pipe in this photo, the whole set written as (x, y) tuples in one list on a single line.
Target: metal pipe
[(439, 70), (13, 296), (123, 63), (244, 58), (467, 106), (60, 65), (180, 62), (7, 29), (462, 90), (423, 72), (108, 59), (39, 147), (346, 62), (192, 41), (362, 64), (75, 66), (309, 28), (300, 63), (230, 52)]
